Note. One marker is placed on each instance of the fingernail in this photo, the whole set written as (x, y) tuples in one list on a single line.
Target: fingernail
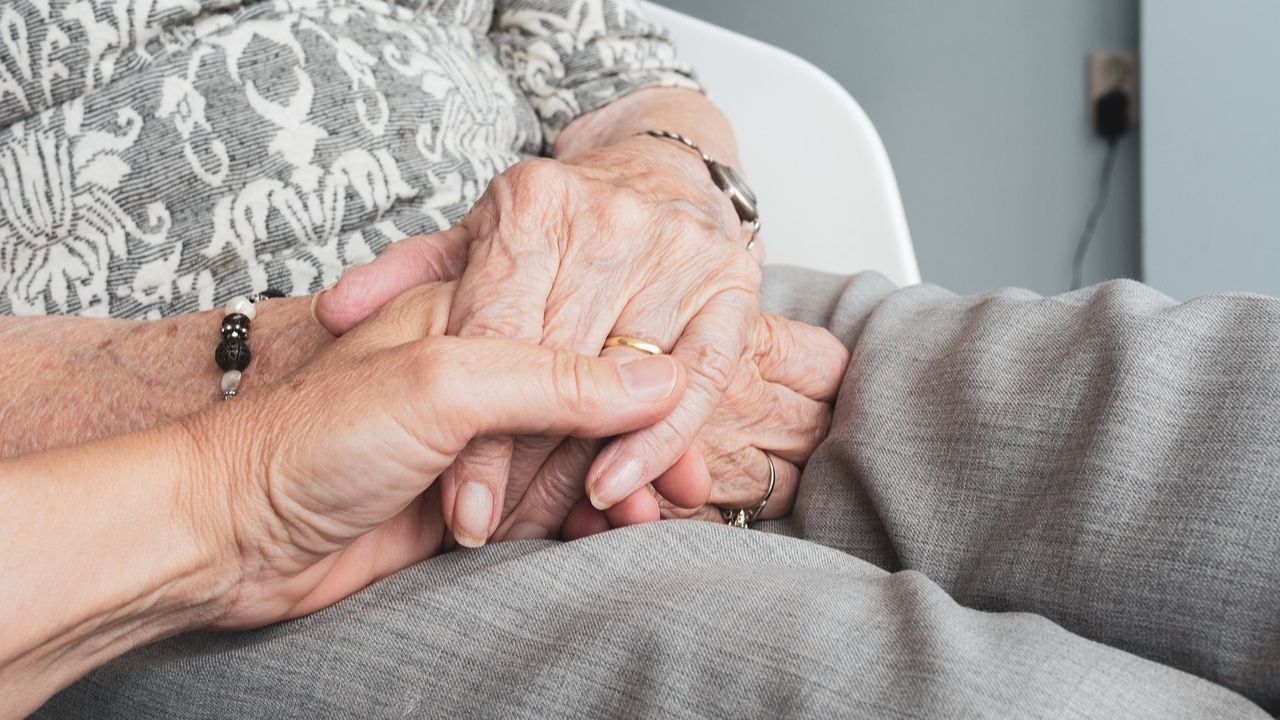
[(526, 531), (652, 378), (616, 482), (473, 509)]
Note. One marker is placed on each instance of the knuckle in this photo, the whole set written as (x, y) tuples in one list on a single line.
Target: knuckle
[(806, 431), (821, 427), (498, 325), (694, 227), (714, 365), (487, 456), (630, 218), (768, 340), (665, 441), (537, 183), (571, 379), (427, 368), (531, 192), (624, 203), (535, 172), (560, 489), (483, 218)]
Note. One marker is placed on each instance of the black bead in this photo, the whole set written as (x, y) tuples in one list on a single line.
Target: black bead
[(235, 327), (232, 355)]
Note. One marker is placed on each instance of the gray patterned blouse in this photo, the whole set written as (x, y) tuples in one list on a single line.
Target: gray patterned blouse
[(159, 156)]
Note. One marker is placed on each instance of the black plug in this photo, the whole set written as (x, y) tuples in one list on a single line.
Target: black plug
[(1111, 115)]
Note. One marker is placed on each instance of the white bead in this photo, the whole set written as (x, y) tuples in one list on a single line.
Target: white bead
[(230, 380), (240, 304)]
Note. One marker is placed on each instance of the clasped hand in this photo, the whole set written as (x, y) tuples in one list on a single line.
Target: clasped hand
[(631, 240), (556, 256)]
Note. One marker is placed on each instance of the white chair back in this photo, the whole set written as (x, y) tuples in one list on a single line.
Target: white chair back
[(828, 197)]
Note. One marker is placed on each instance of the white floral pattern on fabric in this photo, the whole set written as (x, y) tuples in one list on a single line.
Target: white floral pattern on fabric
[(159, 156), (572, 57), (60, 224)]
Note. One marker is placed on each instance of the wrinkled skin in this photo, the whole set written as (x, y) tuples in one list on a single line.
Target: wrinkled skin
[(332, 484), (631, 239), (778, 403)]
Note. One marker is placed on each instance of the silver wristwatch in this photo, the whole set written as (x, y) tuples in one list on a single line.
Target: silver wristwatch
[(725, 178)]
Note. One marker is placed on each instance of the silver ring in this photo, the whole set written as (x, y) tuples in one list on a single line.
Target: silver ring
[(742, 517)]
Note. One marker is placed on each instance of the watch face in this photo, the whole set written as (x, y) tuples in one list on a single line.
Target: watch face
[(732, 182)]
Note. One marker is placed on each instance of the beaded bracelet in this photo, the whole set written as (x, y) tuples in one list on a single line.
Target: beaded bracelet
[(232, 354)]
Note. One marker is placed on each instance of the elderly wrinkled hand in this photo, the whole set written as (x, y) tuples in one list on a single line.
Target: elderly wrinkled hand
[(632, 239), (336, 489), (780, 403)]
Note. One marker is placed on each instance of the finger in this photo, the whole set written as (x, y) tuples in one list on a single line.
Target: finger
[(483, 387), (786, 423), (565, 325), (687, 487), (584, 521), (704, 513), (408, 263), (556, 488), (543, 504), (637, 508), (807, 359), (417, 313), (755, 469), (710, 349), (783, 499), (687, 483), (499, 387), (473, 489), (528, 455), (502, 293)]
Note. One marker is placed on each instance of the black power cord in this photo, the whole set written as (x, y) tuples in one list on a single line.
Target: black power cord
[(1111, 120), (1090, 225)]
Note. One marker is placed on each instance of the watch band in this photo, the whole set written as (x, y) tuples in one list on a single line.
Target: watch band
[(725, 178)]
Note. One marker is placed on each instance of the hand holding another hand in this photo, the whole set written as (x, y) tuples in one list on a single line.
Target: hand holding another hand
[(331, 470), (632, 239), (779, 403)]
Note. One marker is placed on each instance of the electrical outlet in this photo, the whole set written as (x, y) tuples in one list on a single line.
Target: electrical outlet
[(1110, 70)]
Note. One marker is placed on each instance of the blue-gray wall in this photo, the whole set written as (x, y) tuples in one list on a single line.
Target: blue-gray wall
[(1211, 152), (981, 104)]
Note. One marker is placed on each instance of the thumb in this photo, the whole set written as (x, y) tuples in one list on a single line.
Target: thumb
[(406, 264), (495, 386)]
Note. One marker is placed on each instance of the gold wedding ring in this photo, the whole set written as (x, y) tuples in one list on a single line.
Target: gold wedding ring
[(643, 346), (741, 517)]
